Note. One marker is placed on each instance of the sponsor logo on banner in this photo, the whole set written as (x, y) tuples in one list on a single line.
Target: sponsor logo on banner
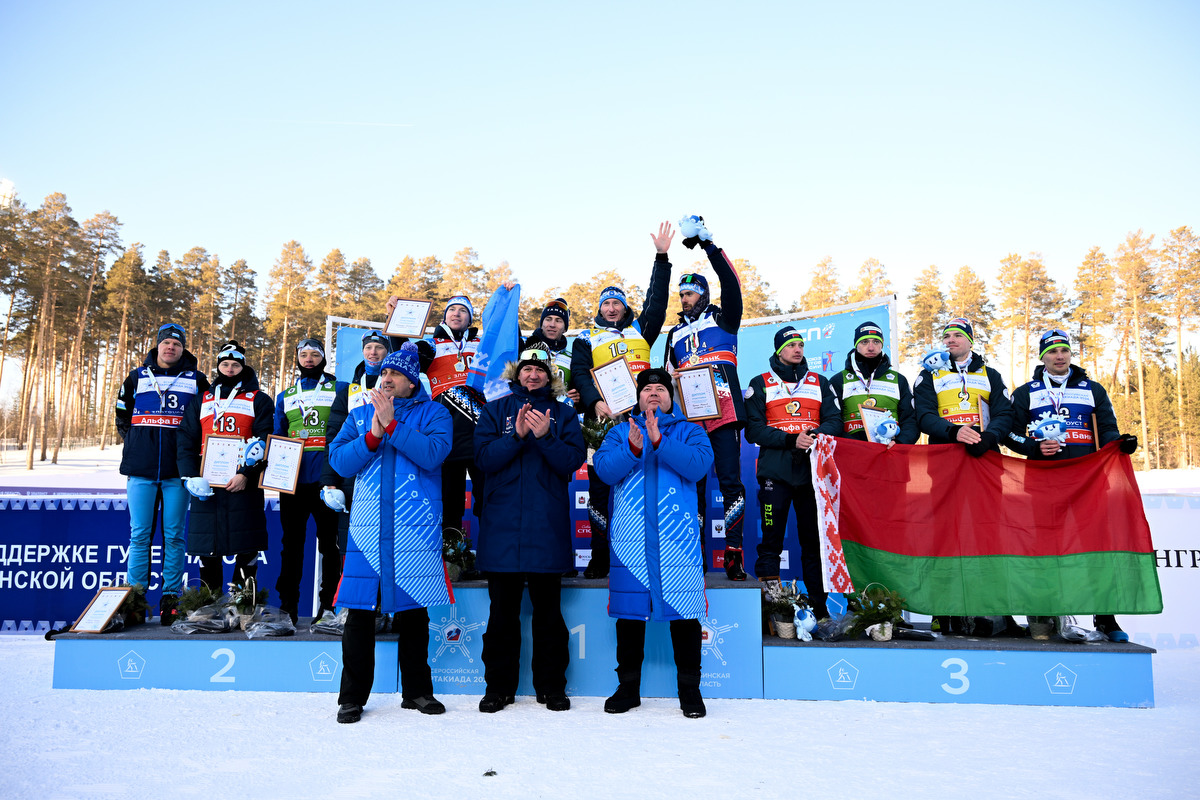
[(581, 499), (583, 558), (843, 675), (581, 473), (827, 361), (718, 557), (583, 529), (783, 560), (717, 528), (718, 499)]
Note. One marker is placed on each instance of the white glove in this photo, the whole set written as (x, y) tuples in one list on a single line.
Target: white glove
[(254, 452), (335, 499), (198, 488)]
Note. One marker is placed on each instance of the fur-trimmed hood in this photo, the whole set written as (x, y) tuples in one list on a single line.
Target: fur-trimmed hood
[(557, 387)]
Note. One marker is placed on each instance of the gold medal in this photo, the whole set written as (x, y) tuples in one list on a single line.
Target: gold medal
[(459, 366)]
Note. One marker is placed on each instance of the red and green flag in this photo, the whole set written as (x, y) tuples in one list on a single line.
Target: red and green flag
[(959, 535)]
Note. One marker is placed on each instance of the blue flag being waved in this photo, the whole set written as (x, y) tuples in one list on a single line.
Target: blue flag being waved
[(499, 342)]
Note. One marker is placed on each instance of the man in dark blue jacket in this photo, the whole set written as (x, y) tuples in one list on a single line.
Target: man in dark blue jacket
[(527, 445), (149, 409)]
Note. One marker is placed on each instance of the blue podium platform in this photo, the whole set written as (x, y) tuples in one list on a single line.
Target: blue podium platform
[(737, 660)]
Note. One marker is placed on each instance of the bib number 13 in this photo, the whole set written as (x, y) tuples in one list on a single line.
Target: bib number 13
[(958, 682)]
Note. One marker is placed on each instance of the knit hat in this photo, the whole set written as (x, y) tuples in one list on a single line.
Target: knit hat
[(231, 351), (693, 282), (405, 361), (460, 300), (1052, 339), (171, 331), (960, 325), (536, 356), (868, 330), (378, 338), (656, 375), (785, 336), (613, 293), (557, 308)]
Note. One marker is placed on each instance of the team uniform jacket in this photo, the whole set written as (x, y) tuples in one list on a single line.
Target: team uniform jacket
[(783, 403), (627, 338), (657, 564), (711, 340), (148, 422), (525, 516), (1074, 404), (442, 354), (888, 391), (938, 400), (395, 544), (228, 522), (302, 412)]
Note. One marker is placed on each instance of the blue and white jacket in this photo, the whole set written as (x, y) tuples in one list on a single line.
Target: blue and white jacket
[(657, 563), (395, 542)]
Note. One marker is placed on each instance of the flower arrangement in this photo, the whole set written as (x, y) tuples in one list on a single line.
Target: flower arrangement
[(247, 596), (456, 552), (594, 431), (874, 605)]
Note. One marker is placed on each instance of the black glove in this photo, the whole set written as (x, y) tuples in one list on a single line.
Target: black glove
[(985, 443), (1128, 443)]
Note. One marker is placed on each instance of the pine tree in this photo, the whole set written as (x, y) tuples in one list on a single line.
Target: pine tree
[(1180, 281), (1028, 303), (363, 289), (1093, 309), (417, 280), (873, 282), (926, 312), (329, 289), (126, 295), (289, 293), (823, 289), (758, 299), (1138, 289), (969, 298)]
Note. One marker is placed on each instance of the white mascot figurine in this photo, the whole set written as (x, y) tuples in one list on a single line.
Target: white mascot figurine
[(935, 359)]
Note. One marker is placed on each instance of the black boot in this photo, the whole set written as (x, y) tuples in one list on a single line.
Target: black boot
[(690, 701), (1107, 624), (631, 650), (168, 611), (597, 568), (686, 643), (733, 564)]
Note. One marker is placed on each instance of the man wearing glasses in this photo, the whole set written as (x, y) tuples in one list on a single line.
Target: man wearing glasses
[(527, 444)]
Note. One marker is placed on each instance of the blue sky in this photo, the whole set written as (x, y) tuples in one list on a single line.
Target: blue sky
[(556, 136)]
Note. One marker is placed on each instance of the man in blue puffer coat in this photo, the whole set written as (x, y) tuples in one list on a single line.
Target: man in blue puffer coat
[(657, 564), (394, 447), (527, 444)]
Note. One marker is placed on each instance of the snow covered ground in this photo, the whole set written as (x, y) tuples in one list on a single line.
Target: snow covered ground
[(158, 743), (164, 743)]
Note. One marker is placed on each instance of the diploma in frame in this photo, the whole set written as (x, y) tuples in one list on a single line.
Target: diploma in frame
[(222, 457), (100, 610), (283, 464), (617, 385), (698, 393), (408, 318)]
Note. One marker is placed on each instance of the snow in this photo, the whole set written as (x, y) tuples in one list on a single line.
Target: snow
[(158, 743)]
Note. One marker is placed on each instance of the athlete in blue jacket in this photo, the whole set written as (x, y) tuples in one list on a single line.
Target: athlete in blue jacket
[(653, 461), (394, 447)]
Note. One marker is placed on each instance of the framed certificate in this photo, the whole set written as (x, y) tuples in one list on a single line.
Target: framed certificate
[(871, 418), (101, 609), (222, 457), (698, 393), (408, 318), (283, 464), (617, 385)]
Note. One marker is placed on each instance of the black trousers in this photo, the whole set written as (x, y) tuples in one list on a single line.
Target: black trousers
[(294, 511), (454, 489), (502, 641), (631, 650), (776, 499), (212, 570), (727, 461), (599, 498), (358, 655)]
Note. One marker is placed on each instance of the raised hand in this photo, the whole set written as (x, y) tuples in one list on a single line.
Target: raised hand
[(635, 436), (662, 242), (539, 423), (522, 422), (652, 427), (384, 412)]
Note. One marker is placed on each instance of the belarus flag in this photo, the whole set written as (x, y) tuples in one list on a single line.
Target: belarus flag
[(958, 535)]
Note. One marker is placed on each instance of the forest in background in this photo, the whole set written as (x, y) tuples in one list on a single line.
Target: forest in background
[(81, 308)]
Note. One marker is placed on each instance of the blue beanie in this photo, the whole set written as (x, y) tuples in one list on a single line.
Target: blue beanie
[(405, 361), (693, 282), (171, 331), (465, 302), (613, 293)]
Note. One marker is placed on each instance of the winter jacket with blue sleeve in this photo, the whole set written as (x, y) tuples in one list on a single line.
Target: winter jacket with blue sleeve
[(654, 537), (525, 513), (395, 542)]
